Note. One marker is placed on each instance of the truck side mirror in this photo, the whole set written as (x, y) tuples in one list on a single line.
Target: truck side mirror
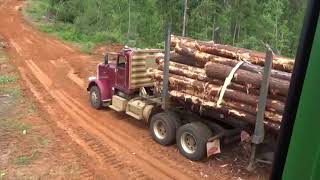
[(106, 59)]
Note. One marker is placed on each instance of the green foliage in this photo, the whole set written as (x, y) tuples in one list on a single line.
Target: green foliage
[(249, 23), (26, 160), (7, 79), (38, 10), (43, 141), (2, 174), (15, 125)]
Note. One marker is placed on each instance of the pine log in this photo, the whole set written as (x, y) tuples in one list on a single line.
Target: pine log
[(279, 62), (187, 41), (220, 71), (231, 105), (200, 75), (175, 57), (224, 110), (201, 89), (202, 58)]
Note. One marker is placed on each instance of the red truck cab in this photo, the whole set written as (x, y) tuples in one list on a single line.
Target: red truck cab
[(121, 73)]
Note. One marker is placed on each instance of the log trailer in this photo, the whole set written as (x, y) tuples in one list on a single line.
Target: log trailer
[(124, 86)]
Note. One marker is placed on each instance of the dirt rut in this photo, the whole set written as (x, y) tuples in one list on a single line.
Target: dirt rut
[(56, 74)]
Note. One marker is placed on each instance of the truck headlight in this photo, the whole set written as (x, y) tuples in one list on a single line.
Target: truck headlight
[(92, 78)]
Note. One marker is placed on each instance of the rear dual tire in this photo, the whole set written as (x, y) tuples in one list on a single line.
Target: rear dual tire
[(163, 128), (192, 140)]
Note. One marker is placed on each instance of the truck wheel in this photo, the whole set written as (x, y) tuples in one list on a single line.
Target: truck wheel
[(95, 97), (163, 127), (192, 140)]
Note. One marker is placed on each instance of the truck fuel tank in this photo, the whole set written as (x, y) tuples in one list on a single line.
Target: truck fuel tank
[(139, 109)]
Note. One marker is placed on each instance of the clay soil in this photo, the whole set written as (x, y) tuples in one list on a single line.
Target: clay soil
[(85, 143)]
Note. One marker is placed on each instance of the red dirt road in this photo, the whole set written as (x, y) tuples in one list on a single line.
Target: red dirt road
[(117, 145)]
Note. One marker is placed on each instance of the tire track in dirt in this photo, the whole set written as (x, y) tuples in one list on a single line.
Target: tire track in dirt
[(123, 132), (144, 138), (92, 146), (127, 139), (99, 116), (87, 168), (154, 166), (119, 141)]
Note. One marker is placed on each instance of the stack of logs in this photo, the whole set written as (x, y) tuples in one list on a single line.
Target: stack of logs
[(198, 71)]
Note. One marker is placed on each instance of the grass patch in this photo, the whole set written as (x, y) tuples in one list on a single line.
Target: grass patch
[(43, 141), (37, 11), (2, 174), (15, 92), (86, 42), (7, 79), (73, 168), (15, 125), (26, 160), (32, 108), (3, 57)]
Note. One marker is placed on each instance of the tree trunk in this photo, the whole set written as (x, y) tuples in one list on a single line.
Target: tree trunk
[(246, 78), (129, 19), (202, 89), (213, 28), (279, 62), (226, 111), (175, 57), (202, 58), (185, 18), (200, 75)]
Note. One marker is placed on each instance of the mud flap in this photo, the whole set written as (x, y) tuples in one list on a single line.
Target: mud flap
[(245, 136), (213, 147)]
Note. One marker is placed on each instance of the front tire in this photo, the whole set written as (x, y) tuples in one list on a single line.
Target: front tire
[(95, 97), (192, 140), (163, 127)]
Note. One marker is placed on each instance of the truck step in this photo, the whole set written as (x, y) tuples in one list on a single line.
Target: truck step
[(115, 108), (134, 115)]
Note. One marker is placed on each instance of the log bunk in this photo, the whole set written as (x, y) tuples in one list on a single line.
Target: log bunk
[(198, 70)]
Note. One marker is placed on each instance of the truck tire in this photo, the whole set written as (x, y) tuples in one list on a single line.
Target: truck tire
[(95, 97), (163, 127), (192, 140)]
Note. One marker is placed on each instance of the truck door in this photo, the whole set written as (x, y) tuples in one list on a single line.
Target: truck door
[(121, 72)]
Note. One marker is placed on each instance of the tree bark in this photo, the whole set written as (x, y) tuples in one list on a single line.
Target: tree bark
[(202, 58), (226, 111), (200, 75), (175, 57), (246, 78), (279, 62), (184, 18), (203, 89)]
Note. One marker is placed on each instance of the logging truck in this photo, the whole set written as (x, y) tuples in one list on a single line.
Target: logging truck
[(123, 84)]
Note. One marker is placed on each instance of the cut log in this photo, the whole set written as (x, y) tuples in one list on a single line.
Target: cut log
[(220, 71), (186, 70), (201, 89), (224, 110), (279, 62), (202, 58), (175, 57), (200, 75)]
